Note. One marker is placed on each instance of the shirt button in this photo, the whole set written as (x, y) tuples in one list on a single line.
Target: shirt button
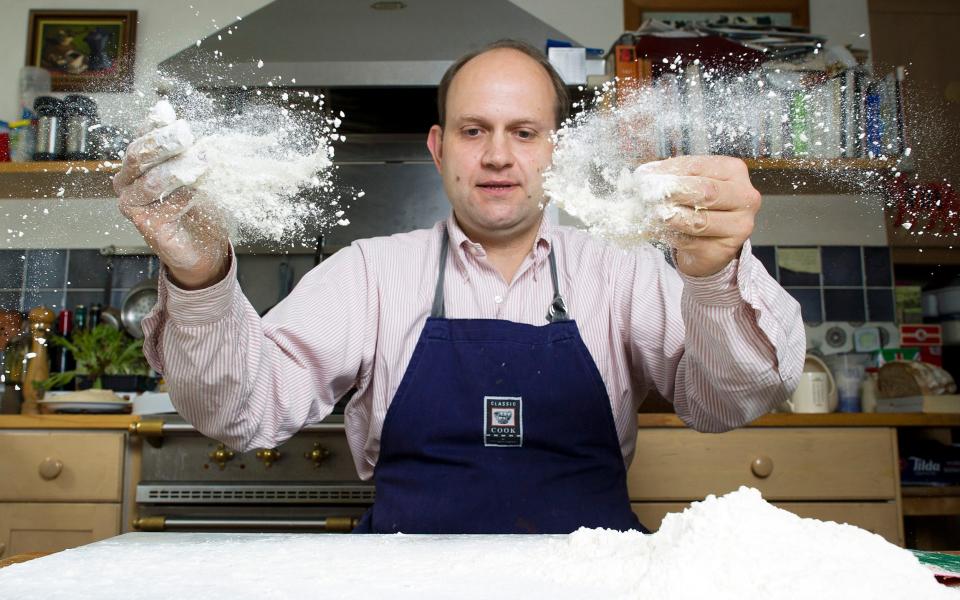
[(498, 299)]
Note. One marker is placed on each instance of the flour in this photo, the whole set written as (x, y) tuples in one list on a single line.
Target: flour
[(595, 176), (267, 171), (736, 547)]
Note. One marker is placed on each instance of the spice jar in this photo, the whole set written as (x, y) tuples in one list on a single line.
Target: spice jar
[(49, 128), (80, 115)]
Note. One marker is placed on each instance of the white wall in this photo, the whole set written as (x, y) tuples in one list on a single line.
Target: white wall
[(595, 23)]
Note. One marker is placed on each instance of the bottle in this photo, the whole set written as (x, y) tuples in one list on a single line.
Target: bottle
[(61, 359), (79, 318), (93, 318), (38, 361)]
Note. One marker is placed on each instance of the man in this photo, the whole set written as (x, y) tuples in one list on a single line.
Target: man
[(474, 412)]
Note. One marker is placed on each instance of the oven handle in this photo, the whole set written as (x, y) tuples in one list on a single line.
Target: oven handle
[(328, 524), (153, 430)]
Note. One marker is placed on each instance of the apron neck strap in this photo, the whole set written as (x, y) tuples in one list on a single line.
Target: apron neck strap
[(556, 312)]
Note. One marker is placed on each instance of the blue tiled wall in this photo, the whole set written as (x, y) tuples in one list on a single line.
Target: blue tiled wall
[(855, 283), (58, 278)]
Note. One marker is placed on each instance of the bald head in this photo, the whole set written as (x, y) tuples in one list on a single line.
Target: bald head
[(509, 52)]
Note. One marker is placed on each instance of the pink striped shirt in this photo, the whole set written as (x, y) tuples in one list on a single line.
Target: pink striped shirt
[(725, 348)]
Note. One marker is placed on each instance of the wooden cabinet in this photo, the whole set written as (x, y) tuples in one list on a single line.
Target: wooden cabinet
[(847, 475), (59, 489)]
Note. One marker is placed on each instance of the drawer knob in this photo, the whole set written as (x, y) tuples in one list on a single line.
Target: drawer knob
[(50, 468), (762, 466)]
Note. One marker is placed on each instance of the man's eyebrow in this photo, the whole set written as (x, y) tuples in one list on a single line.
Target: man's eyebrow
[(483, 121)]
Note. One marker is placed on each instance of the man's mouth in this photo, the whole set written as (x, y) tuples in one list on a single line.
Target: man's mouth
[(497, 187)]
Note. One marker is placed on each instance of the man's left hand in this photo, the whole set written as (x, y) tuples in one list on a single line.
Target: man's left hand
[(715, 211)]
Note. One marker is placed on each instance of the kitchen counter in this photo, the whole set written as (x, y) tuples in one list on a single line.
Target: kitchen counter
[(821, 420), (644, 420), (120, 422)]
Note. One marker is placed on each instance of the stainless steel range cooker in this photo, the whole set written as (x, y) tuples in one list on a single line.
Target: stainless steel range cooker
[(190, 482)]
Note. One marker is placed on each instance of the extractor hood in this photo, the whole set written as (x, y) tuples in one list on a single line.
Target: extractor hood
[(341, 43)]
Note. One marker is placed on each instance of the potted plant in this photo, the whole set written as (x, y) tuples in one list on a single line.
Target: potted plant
[(106, 358)]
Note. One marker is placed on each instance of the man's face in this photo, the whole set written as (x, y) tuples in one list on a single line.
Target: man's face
[(495, 145)]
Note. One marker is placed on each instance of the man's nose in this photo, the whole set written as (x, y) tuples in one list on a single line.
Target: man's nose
[(498, 153)]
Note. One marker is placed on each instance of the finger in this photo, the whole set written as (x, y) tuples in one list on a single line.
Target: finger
[(152, 149), (717, 195), (182, 171), (171, 208), (709, 223)]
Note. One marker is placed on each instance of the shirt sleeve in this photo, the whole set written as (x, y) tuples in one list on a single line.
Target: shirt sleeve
[(725, 349), (253, 382)]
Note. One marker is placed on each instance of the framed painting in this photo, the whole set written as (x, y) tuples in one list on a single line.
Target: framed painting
[(84, 50)]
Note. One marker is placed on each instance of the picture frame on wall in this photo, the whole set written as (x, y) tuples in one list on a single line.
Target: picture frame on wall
[(84, 50)]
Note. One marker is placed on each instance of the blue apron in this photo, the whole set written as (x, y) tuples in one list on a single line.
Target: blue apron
[(499, 427)]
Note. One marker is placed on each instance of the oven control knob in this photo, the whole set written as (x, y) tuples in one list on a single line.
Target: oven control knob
[(221, 455), (317, 455), (268, 456)]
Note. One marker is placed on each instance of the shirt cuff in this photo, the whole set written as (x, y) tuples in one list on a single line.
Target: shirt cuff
[(194, 308), (728, 287)]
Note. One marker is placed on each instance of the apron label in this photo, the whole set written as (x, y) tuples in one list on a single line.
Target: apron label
[(503, 421)]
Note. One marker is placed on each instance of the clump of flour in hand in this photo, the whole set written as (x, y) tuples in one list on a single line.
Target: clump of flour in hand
[(594, 176), (267, 170)]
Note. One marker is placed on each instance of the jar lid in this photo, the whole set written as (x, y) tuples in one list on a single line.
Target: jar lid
[(75, 104), (48, 106)]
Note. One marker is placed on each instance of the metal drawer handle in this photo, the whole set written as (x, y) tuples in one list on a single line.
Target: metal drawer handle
[(762, 466), (328, 524), (50, 468)]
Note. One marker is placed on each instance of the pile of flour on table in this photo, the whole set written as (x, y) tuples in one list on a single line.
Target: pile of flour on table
[(736, 547), (267, 170)]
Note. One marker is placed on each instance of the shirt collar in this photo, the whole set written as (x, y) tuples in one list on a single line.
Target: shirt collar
[(462, 245)]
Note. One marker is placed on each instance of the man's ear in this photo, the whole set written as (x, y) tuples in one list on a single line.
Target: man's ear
[(435, 144)]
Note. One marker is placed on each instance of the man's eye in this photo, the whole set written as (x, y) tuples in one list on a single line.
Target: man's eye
[(525, 134), (472, 131)]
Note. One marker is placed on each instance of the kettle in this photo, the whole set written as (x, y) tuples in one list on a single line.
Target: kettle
[(817, 390)]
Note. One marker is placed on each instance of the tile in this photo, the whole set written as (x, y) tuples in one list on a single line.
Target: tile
[(86, 269), (809, 299), (880, 304), (10, 301), (52, 299), (841, 266), (844, 304), (795, 278), (876, 264), (11, 268), (768, 256), (46, 269), (128, 271)]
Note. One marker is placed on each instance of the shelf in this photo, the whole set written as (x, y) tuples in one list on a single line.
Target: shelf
[(930, 256), (930, 501), (821, 420), (80, 179)]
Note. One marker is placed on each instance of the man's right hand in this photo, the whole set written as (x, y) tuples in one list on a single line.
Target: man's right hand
[(152, 187)]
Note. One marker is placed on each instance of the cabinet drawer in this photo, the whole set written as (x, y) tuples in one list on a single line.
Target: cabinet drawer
[(877, 517), (61, 466), (52, 527), (794, 464)]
